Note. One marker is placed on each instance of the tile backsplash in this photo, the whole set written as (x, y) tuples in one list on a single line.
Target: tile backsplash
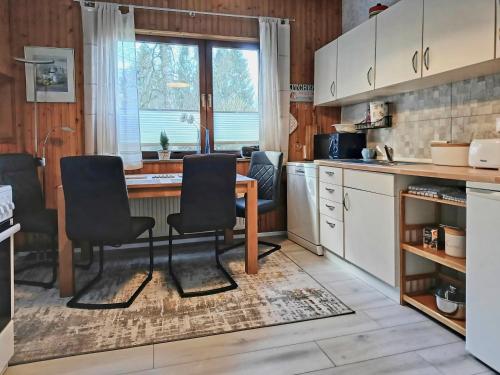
[(455, 112)]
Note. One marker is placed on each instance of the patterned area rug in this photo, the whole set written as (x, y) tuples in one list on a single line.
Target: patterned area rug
[(281, 293)]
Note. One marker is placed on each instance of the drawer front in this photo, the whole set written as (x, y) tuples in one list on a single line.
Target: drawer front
[(332, 235), (331, 209), (330, 192), (380, 183), (330, 175)]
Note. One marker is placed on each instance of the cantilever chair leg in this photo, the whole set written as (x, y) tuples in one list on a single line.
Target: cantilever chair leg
[(90, 261), (52, 263), (232, 284), (274, 247), (74, 302)]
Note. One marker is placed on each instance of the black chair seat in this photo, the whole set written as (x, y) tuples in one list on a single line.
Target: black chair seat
[(43, 221), (263, 206)]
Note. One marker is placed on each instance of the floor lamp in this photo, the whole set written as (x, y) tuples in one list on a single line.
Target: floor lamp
[(35, 64)]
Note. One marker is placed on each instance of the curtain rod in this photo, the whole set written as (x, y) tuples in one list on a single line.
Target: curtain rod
[(191, 13)]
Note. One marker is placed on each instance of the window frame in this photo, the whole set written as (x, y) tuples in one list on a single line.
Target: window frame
[(205, 47)]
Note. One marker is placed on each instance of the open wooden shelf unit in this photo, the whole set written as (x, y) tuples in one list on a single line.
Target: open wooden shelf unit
[(415, 289), (437, 256), (436, 200), (427, 304)]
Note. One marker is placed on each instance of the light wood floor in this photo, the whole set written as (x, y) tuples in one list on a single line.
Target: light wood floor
[(381, 338)]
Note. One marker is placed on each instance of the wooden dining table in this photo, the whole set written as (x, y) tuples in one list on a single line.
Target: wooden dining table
[(155, 186)]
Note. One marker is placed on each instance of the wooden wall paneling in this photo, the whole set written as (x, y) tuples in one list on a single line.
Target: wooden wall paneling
[(57, 23)]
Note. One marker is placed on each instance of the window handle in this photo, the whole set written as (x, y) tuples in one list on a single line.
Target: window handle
[(203, 100), (209, 100)]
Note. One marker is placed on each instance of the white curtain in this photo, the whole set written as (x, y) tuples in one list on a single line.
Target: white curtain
[(274, 35), (110, 78)]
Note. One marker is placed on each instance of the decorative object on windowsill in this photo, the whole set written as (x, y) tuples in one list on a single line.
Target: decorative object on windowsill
[(376, 9), (53, 80), (164, 153), (189, 119)]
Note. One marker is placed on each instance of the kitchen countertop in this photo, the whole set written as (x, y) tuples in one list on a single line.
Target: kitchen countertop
[(423, 170)]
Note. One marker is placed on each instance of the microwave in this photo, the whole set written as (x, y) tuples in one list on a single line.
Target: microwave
[(339, 145)]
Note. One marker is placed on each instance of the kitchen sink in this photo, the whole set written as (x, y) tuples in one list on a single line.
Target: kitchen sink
[(375, 162)]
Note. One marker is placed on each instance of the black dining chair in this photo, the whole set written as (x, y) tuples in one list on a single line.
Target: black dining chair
[(97, 211), (20, 172), (207, 204), (265, 167)]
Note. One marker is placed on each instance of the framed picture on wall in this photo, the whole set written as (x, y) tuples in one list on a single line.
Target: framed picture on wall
[(55, 81)]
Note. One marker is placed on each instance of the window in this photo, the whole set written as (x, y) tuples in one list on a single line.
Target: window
[(191, 88)]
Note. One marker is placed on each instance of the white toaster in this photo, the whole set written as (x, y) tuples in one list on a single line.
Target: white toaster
[(485, 153)]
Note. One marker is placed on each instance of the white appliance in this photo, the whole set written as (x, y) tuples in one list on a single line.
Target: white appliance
[(303, 206), (483, 266), (485, 153), (7, 230)]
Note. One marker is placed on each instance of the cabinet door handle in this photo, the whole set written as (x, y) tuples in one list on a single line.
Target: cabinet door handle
[(368, 76), (203, 101), (333, 87), (330, 207), (346, 201), (426, 58), (209, 100), (332, 225), (330, 190), (330, 173), (414, 61)]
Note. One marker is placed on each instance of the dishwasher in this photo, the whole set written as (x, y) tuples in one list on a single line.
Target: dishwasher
[(303, 205)]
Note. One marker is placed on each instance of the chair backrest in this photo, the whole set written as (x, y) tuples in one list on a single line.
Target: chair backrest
[(95, 192), (266, 167), (208, 199), (19, 171)]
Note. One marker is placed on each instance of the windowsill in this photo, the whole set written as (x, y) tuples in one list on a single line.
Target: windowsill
[(173, 161)]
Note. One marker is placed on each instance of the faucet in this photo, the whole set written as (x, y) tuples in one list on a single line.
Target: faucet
[(389, 151)]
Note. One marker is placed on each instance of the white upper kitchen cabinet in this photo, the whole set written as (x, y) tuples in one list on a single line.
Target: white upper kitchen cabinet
[(399, 43), (356, 60), (325, 74), (457, 33)]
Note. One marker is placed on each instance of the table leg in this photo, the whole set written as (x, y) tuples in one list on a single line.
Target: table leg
[(251, 245), (228, 236), (66, 270)]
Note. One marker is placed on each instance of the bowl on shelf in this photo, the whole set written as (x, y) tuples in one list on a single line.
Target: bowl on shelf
[(450, 301), (345, 128)]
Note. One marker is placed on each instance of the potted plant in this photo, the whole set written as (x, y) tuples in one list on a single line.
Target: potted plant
[(164, 153)]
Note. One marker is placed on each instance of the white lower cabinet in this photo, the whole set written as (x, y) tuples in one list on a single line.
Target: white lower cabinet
[(370, 233), (332, 234)]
